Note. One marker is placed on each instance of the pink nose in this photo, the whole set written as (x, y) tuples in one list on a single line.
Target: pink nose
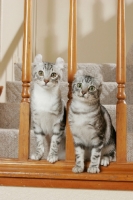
[(83, 92), (46, 81)]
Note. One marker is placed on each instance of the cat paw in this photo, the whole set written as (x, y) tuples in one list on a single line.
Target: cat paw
[(93, 169), (35, 157), (77, 169), (52, 158), (105, 161)]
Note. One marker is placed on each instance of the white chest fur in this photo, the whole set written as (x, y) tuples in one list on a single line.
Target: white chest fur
[(82, 118), (46, 100)]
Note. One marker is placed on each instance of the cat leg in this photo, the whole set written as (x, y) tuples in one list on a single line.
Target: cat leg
[(105, 160), (40, 143), (58, 133), (54, 146), (79, 152), (108, 155), (95, 160)]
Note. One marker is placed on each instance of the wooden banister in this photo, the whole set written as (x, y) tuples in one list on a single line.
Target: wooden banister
[(72, 65), (24, 128), (121, 108), (1, 88), (25, 172)]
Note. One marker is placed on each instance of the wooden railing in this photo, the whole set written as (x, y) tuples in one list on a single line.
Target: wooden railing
[(23, 171), (121, 115)]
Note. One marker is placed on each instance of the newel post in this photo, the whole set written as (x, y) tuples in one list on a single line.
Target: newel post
[(24, 127), (72, 65), (121, 107)]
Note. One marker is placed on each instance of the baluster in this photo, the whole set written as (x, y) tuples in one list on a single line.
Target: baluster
[(24, 127), (121, 108), (72, 64)]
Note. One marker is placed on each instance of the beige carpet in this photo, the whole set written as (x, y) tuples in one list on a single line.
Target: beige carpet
[(9, 111)]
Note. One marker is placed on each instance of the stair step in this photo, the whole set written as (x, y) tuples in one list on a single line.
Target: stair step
[(9, 113), (9, 144), (107, 71), (14, 89), (108, 95)]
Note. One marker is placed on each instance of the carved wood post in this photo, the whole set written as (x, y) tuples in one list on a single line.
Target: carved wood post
[(121, 109), (72, 64), (24, 127)]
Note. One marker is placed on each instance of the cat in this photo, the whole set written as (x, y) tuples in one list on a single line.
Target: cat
[(47, 107), (90, 124)]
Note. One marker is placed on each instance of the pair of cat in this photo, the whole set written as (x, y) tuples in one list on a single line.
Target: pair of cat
[(90, 123)]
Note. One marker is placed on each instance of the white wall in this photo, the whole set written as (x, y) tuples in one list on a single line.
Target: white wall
[(17, 193), (96, 43), (96, 31)]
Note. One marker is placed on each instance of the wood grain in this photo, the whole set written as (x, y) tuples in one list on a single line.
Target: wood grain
[(25, 172), (72, 65), (1, 88), (121, 108), (24, 127)]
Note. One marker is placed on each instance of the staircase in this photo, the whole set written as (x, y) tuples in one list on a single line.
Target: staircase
[(9, 111)]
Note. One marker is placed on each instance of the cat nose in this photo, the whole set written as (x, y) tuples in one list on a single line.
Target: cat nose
[(83, 92), (46, 81)]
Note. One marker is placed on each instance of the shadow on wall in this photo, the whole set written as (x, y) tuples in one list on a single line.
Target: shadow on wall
[(11, 49), (99, 46)]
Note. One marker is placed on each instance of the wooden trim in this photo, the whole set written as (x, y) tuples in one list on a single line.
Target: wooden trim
[(43, 174), (24, 127), (121, 108), (72, 65), (72, 184), (1, 88), (24, 172)]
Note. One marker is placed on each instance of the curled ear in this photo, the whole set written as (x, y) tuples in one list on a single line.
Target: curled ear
[(60, 62), (79, 73), (38, 59)]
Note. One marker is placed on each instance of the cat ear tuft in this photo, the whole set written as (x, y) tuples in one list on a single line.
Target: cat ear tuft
[(79, 73), (60, 62), (38, 59)]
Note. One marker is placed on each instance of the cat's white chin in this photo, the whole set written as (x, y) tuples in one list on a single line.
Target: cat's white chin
[(86, 100)]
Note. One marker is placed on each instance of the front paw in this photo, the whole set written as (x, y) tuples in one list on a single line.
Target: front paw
[(36, 157), (77, 169), (93, 169), (52, 158), (105, 161)]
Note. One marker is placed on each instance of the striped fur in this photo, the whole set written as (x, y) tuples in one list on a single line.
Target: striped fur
[(47, 108), (90, 125)]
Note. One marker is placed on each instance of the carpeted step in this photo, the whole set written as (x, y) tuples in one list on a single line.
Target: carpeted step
[(9, 115), (108, 96), (14, 89), (9, 144), (107, 71)]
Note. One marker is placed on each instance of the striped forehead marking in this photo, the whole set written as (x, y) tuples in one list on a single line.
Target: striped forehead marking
[(48, 66)]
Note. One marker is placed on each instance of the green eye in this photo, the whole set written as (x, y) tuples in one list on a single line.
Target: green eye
[(53, 75), (40, 73), (92, 88), (79, 85)]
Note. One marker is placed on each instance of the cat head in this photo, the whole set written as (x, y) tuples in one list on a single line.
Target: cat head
[(46, 74), (86, 88)]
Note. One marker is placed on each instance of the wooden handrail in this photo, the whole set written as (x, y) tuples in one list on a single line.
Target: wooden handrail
[(121, 108), (24, 128), (72, 65), (1, 88)]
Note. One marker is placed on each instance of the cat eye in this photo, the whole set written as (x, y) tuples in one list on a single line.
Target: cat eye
[(53, 75), (79, 85), (40, 73), (92, 88)]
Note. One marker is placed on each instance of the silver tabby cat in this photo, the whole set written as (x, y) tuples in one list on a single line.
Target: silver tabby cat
[(91, 125), (47, 107)]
